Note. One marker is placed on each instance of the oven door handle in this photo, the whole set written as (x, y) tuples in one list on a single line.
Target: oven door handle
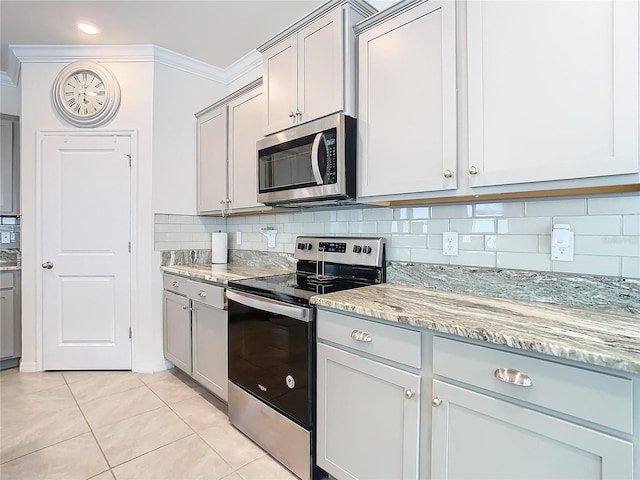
[(260, 303)]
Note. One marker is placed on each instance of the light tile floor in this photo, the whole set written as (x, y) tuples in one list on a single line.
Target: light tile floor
[(122, 425)]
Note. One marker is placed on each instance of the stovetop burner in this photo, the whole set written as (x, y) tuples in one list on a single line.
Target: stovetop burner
[(325, 265)]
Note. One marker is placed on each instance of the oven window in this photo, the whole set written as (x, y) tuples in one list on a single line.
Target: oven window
[(270, 356)]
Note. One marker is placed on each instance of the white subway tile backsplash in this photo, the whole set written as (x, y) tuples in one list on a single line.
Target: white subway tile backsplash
[(619, 204), (524, 226), (474, 259), (485, 225), (350, 215), (517, 243), (409, 241), (470, 242), (328, 216), (398, 254), (548, 208), (631, 225), (504, 209), (619, 246), (591, 264), (498, 234), (363, 227), (411, 213), (593, 224), (524, 261), (452, 211), (428, 256), (630, 267), (369, 214)]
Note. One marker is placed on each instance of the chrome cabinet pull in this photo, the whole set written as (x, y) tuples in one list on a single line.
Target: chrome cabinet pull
[(47, 265), (298, 112), (184, 307), (408, 393), (361, 336), (202, 293), (513, 376), (473, 170), (174, 284), (448, 174), (436, 402), (291, 114)]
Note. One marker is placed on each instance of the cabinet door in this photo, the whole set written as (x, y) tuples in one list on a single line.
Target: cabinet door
[(480, 437), (279, 75), (9, 164), (367, 427), (7, 321), (177, 330), (407, 102), (209, 339), (321, 67), (246, 126), (553, 90), (212, 160)]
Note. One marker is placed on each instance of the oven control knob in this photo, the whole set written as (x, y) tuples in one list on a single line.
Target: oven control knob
[(357, 249), (308, 246), (366, 249), (301, 246)]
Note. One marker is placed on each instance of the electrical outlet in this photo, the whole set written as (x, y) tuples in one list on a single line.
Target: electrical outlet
[(450, 243), (5, 237), (238, 238), (562, 243)]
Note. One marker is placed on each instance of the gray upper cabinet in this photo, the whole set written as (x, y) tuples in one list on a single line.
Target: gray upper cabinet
[(407, 100), (9, 165), (309, 69)]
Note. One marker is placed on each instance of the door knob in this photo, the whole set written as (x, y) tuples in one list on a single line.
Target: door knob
[(47, 265)]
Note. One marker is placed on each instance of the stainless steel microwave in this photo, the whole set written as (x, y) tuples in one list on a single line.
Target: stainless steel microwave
[(312, 164)]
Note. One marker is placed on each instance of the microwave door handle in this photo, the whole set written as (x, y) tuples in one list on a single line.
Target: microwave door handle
[(314, 159)]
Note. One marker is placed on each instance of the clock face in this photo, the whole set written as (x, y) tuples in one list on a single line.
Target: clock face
[(86, 94)]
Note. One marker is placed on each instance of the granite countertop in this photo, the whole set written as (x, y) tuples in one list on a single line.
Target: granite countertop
[(594, 336), (223, 272), (9, 268)]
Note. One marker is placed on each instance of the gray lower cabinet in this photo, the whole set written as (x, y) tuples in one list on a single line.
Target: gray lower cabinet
[(478, 436), (512, 416), (10, 320), (177, 330), (368, 410), (195, 331), (209, 343)]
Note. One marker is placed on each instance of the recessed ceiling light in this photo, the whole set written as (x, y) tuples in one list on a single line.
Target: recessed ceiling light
[(87, 28)]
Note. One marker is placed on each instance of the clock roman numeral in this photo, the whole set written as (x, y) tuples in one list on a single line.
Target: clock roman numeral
[(71, 102), (99, 85)]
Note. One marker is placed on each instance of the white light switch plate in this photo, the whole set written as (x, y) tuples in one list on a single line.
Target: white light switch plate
[(5, 237), (238, 238)]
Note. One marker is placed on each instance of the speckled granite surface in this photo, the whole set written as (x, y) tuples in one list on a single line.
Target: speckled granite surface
[(593, 336), (9, 268), (222, 273), (563, 289)]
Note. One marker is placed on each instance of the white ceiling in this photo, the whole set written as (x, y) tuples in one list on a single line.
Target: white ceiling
[(217, 32)]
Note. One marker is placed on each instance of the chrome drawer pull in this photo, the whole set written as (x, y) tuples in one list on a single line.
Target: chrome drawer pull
[(513, 376), (361, 336), (202, 293), (174, 284)]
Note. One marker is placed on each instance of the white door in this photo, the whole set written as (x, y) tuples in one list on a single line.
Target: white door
[(85, 237)]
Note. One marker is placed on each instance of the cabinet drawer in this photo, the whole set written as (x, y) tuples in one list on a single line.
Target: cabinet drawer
[(175, 283), (205, 293), (386, 341), (593, 396)]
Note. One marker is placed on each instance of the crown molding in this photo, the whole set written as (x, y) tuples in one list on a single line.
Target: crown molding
[(126, 53)]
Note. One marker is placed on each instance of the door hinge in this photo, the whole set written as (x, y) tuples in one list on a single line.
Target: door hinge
[(129, 332), (129, 155), (129, 247)]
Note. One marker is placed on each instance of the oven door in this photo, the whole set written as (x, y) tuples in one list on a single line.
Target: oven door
[(271, 353)]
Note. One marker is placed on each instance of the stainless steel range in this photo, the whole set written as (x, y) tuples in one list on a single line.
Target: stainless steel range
[(272, 344)]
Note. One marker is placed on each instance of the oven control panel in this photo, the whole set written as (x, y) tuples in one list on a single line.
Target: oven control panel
[(349, 251)]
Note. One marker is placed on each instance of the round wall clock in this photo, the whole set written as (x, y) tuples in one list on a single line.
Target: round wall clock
[(86, 94)]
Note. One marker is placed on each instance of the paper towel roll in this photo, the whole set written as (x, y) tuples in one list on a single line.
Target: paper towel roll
[(218, 247)]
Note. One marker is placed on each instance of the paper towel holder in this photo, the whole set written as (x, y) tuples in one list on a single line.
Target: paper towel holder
[(271, 234)]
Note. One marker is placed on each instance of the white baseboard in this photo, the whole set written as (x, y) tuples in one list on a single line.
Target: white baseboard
[(29, 367), (152, 367)]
